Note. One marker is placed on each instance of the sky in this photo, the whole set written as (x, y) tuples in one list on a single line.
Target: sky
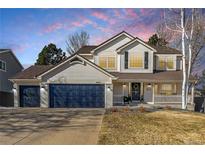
[(27, 31)]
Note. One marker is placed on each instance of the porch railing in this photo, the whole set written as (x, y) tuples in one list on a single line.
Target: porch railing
[(170, 99), (117, 98)]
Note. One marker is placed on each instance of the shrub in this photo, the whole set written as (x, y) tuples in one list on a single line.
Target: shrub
[(167, 107), (126, 109), (114, 109), (142, 109)]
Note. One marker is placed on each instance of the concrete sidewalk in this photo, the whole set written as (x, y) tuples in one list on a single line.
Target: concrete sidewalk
[(50, 126)]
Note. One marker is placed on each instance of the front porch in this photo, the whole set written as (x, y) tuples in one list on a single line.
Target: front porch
[(149, 93)]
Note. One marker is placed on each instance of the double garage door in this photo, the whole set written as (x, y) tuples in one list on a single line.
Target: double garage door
[(65, 96)]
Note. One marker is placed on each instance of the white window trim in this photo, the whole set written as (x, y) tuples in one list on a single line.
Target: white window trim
[(106, 56), (129, 67), (166, 68), (5, 66), (172, 88)]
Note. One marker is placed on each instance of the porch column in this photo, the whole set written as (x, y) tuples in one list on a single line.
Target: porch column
[(44, 100), (141, 89), (16, 95), (153, 92), (192, 94), (129, 89)]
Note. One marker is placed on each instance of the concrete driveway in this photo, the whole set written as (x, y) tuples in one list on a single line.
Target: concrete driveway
[(50, 126)]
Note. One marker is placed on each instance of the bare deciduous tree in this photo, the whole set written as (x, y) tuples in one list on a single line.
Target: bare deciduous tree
[(76, 41), (188, 24), (164, 33)]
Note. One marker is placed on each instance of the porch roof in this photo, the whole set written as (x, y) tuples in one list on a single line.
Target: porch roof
[(168, 76)]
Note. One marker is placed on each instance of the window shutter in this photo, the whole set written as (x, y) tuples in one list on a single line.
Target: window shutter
[(146, 57), (126, 60)]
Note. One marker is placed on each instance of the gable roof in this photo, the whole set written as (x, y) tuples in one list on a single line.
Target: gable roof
[(86, 49), (114, 37), (158, 49), (2, 51), (134, 40), (37, 71), (80, 57)]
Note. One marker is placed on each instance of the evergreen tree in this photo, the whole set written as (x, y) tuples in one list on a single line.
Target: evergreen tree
[(50, 55), (156, 41)]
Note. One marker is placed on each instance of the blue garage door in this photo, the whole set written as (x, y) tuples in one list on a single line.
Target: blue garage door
[(29, 96), (77, 95)]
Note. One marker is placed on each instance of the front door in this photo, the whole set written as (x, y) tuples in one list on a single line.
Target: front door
[(135, 91)]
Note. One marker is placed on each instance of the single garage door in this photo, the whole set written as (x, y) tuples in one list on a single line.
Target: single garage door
[(77, 95), (29, 96)]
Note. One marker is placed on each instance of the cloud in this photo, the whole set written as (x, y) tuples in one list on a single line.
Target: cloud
[(131, 13), (146, 12), (15, 47), (53, 27), (82, 22), (117, 13), (100, 15)]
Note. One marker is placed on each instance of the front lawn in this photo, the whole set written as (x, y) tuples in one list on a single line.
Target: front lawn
[(157, 127)]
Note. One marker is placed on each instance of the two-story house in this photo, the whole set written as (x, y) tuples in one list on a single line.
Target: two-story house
[(9, 66), (101, 75)]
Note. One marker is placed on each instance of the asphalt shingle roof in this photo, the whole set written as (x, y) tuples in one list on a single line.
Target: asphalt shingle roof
[(86, 49), (32, 72)]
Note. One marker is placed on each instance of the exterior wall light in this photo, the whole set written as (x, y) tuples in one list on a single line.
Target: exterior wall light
[(109, 88), (14, 89), (149, 85)]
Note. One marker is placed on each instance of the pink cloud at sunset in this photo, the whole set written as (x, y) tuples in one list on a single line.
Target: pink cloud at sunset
[(100, 15), (52, 27), (131, 13)]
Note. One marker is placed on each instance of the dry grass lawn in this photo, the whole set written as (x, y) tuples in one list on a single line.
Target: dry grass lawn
[(158, 127)]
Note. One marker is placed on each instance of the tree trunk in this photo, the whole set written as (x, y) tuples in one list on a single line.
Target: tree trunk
[(183, 60), (190, 55)]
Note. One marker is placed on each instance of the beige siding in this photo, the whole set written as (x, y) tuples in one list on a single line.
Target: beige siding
[(120, 89), (110, 49), (78, 73), (137, 48)]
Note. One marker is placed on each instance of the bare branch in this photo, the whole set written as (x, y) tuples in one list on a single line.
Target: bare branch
[(166, 25), (76, 41)]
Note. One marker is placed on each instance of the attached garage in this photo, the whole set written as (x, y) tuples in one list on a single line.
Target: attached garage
[(29, 96), (77, 95), (74, 83)]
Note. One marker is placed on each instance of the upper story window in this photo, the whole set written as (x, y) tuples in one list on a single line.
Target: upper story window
[(107, 62), (136, 60), (2, 65), (166, 63)]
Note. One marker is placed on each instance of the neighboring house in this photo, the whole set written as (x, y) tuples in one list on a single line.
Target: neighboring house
[(9, 66), (100, 76)]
